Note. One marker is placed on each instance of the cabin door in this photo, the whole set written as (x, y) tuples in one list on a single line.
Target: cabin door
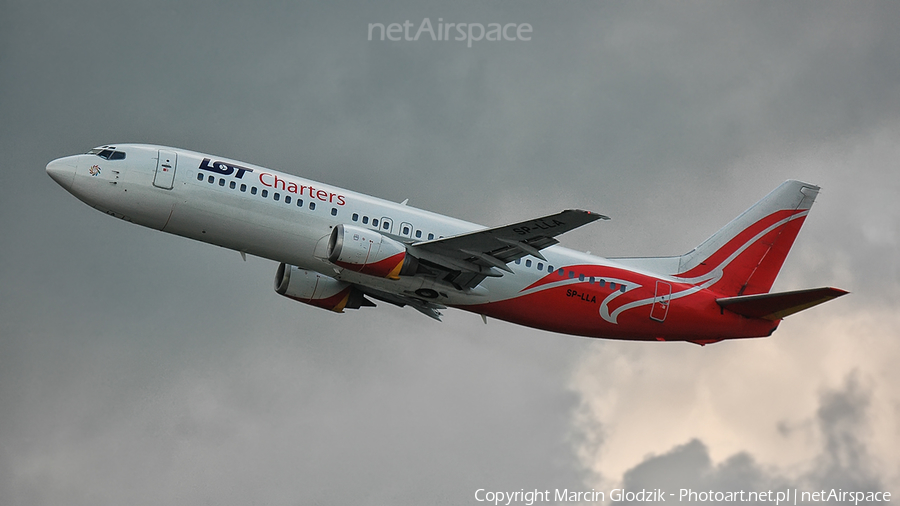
[(165, 170), (661, 301)]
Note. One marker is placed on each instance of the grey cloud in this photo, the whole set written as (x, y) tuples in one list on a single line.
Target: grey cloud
[(136, 366), (842, 462)]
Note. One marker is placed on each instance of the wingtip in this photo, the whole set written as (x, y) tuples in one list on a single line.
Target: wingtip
[(596, 216)]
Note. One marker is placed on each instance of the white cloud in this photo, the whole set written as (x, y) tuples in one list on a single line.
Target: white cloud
[(756, 396)]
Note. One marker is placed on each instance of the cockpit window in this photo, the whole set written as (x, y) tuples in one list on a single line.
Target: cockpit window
[(108, 153)]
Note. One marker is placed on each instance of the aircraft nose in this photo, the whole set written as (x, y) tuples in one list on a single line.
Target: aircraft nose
[(62, 170)]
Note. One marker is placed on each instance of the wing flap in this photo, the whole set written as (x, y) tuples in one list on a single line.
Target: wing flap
[(775, 306), (429, 309)]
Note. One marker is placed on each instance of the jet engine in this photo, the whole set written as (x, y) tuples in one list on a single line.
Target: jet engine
[(317, 289), (368, 252)]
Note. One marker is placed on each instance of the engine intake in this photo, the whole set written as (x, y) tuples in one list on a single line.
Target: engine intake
[(317, 289), (368, 252)]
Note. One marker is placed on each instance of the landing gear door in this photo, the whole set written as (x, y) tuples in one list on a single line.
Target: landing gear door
[(661, 301), (165, 170)]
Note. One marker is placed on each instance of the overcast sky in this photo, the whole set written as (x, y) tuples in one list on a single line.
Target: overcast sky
[(142, 368)]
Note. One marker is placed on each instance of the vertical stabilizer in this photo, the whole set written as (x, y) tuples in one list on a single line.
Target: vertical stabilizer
[(745, 256)]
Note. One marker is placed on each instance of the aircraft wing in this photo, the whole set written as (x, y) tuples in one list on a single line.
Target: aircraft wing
[(429, 309), (467, 259)]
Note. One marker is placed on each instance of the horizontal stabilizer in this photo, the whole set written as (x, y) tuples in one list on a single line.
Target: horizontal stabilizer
[(775, 306)]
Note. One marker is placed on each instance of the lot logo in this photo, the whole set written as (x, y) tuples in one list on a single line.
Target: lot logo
[(94, 170), (224, 168)]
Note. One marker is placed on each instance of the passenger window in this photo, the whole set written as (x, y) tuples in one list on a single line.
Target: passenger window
[(287, 199), (418, 234), (355, 217), (612, 285), (221, 182), (252, 190), (591, 280), (265, 193), (561, 272), (211, 180), (405, 230), (622, 288), (602, 283), (276, 196), (365, 220), (518, 261), (199, 176), (430, 236), (581, 277), (385, 225), (375, 223), (528, 263), (549, 268), (312, 206), (540, 266), (232, 185), (334, 211), (243, 187)]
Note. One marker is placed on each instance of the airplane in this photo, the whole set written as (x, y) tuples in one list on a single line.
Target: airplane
[(337, 249)]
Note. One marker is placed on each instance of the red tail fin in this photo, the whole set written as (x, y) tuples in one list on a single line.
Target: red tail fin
[(745, 256)]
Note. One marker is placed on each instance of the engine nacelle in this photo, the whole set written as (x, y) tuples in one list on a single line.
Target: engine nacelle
[(317, 289), (368, 252)]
